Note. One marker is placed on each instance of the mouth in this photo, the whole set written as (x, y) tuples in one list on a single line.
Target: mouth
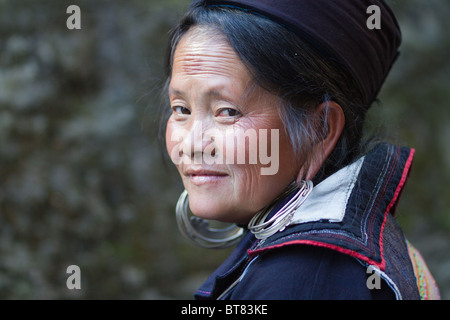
[(201, 176)]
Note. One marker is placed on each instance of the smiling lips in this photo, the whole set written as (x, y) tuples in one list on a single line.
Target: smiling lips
[(202, 176)]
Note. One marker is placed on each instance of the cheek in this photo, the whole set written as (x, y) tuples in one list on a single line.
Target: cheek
[(258, 184), (169, 143), (247, 185), (173, 140)]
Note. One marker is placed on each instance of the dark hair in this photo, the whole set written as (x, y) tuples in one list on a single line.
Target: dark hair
[(292, 69)]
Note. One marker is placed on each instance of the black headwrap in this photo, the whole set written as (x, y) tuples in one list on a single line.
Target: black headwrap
[(338, 28)]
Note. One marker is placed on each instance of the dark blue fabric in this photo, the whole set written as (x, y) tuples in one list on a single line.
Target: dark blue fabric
[(230, 270), (307, 273), (292, 273)]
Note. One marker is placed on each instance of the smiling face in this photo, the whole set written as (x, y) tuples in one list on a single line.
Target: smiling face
[(214, 101)]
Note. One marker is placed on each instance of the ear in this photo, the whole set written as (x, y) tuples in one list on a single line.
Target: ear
[(332, 113)]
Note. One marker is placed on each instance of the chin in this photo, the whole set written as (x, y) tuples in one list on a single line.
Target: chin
[(215, 211)]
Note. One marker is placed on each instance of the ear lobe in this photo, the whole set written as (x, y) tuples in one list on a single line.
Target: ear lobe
[(331, 113)]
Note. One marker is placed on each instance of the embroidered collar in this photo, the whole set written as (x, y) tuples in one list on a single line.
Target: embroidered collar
[(332, 194), (351, 217)]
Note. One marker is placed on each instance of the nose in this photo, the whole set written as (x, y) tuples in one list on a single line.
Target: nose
[(198, 144)]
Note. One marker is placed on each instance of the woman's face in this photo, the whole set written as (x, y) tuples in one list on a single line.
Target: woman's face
[(224, 134)]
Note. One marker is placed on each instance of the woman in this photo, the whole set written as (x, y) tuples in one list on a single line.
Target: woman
[(292, 79)]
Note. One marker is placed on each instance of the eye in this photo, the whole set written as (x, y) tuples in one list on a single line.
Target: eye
[(181, 110), (227, 112)]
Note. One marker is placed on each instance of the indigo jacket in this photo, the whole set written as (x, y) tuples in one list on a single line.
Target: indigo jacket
[(343, 243)]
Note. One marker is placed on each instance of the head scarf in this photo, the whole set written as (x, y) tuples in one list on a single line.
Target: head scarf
[(342, 30)]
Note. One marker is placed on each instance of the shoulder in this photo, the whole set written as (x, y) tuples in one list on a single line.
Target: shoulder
[(306, 272)]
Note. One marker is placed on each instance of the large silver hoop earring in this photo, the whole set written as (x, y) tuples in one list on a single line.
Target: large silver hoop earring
[(201, 232)]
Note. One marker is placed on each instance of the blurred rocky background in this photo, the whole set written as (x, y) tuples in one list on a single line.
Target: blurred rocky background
[(82, 177)]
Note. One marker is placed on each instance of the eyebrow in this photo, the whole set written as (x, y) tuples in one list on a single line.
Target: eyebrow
[(212, 92), (215, 92), (175, 92)]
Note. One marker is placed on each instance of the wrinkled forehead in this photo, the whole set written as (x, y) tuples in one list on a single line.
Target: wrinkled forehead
[(203, 53), (204, 60)]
